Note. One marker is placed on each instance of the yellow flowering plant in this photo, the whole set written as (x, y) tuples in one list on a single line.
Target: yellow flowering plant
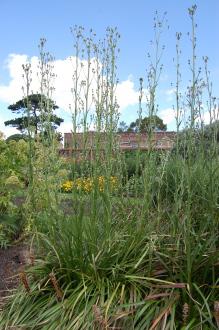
[(87, 184), (67, 186)]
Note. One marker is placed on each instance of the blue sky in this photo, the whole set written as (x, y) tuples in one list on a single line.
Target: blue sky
[(23, 22)]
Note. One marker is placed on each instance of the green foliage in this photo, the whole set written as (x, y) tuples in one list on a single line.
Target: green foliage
[(123, 127), (211, 132), (147, 124), (190, 143), (17, 137), (134, 162), (11, 226), (13, 175), (36, 111), (89, 264), (13, 159), (11, 221)]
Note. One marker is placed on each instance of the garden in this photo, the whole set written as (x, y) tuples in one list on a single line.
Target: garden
[(125, 240)]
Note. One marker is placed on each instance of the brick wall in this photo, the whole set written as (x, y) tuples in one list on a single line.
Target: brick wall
[(125, 141)]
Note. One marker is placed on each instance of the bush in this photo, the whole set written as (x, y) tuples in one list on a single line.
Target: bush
[(17, 137), (11, 220)]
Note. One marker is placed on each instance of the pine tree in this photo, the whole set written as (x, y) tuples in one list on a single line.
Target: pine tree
[(35, 112)]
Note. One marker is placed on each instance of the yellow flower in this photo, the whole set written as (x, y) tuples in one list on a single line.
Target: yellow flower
[(87, 184), (67, 186)]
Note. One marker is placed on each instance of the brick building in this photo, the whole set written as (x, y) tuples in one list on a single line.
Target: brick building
[(74, 145)]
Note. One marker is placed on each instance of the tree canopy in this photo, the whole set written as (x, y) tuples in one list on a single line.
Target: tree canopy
[(153, 123), (146, 124), (122, 127), (202, 139), (35, 111), (17, 137)]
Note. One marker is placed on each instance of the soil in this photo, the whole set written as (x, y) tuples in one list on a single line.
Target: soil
[(12, 262)]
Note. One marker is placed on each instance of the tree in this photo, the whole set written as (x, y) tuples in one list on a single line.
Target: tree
[(211, 131), (122, 127), (153, 123), (203, 140), (17, 137), (36, 111)]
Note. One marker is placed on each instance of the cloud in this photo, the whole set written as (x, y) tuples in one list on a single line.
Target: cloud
[(13, 91), (206, 118), (7, 130), (63, 69), (169, 93), (126, 94), (65, 127), (168, 115)]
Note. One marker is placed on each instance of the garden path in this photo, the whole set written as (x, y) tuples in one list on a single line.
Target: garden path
[(12, 261)]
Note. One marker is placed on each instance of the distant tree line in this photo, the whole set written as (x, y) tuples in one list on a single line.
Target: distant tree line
[(146, 124)]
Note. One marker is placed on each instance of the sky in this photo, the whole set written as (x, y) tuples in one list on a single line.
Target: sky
[(24, 22)]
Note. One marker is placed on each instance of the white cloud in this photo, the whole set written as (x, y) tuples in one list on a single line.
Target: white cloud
[(126, 94), (7, 130), (13, 91), (206, 117), (64, 70), (168, 115), (65, 127)]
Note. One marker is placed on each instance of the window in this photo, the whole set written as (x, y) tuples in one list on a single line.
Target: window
[(124, 143), (134, 145)]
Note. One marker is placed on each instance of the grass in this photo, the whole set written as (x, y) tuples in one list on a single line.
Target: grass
[(105, 276)]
